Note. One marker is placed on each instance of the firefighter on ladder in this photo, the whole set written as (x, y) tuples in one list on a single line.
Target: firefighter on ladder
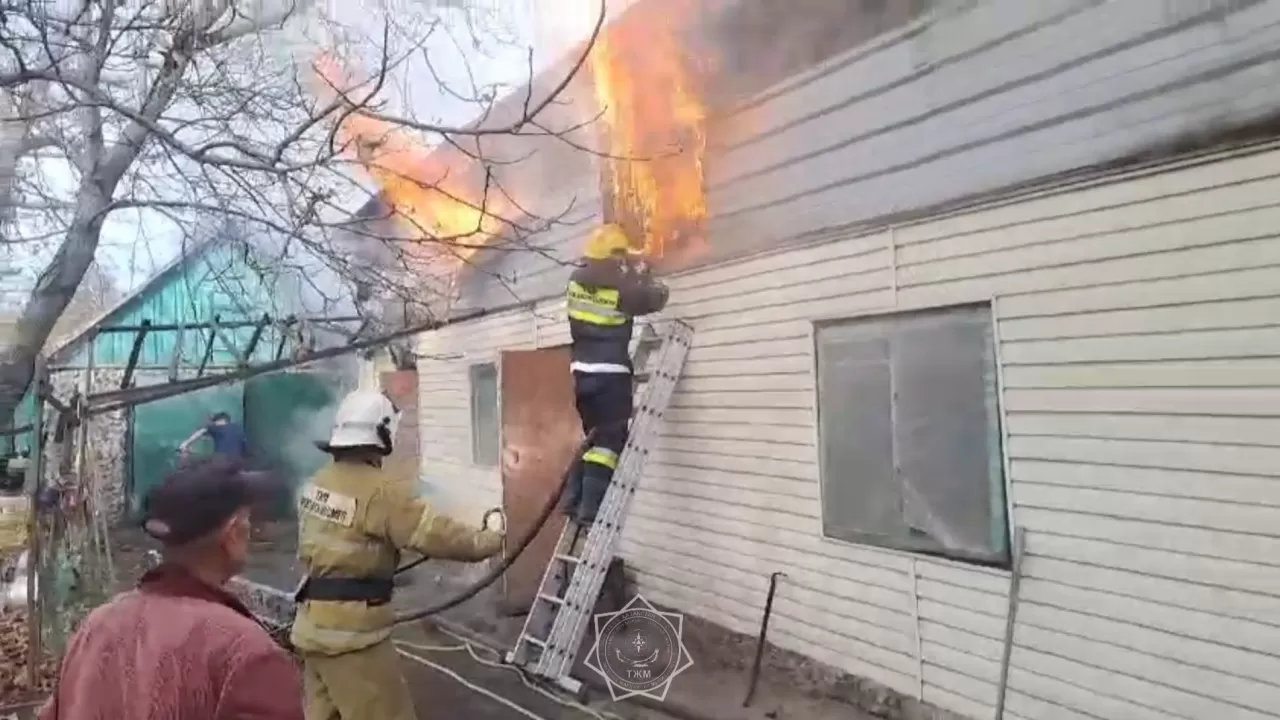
[(354, 521), (605, 295)]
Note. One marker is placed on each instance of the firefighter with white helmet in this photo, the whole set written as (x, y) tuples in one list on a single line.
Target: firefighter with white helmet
[(354, 521), (605, 295)]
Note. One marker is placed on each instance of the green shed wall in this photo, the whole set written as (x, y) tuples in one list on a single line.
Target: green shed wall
[(222, 281), (24, 415)]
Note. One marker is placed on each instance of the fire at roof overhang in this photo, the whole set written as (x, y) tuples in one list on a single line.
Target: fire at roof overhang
[(649, 82), (651, 120)]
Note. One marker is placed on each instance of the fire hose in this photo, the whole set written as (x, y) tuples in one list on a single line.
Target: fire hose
[(497, 570), (281, 632)]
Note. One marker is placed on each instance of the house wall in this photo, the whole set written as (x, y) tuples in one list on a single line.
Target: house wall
[(1136, 339), (221, 281), (402, 387), (971, 98), (1134, 324)]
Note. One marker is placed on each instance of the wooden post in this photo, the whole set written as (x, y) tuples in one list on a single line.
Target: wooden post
[(84, 490), (34, 482), (208, 349), (134, 353), (176, 361), (253, 340)]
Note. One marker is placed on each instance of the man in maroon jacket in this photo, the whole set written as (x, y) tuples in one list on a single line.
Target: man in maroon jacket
[(179, 647)]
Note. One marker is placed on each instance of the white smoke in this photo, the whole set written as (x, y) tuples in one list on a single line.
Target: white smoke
[(306, 429)]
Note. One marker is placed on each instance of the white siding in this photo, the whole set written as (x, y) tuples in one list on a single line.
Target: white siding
[(983, 95), (969, 99), (1137, 323), (444, 405)]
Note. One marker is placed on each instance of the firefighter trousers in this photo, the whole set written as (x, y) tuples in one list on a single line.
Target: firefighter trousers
[(361, 685), (604, 403)]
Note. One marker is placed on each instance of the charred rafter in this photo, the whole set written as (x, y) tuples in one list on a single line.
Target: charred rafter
[(111, 400), (284, 322), (134, 353), (254, 338)]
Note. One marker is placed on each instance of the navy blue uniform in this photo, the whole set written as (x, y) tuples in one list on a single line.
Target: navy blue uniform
[(603, 298)]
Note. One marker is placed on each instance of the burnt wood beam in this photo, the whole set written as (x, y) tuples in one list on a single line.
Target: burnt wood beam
[(134, 353), (239, 324), (208, 349), (254, 338)]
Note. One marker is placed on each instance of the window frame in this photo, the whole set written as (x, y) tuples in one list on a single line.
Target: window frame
[(474, 371), (997, 443)]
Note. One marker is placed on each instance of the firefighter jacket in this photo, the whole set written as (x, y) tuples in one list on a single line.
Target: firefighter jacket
[(354, 519), (603, 299)]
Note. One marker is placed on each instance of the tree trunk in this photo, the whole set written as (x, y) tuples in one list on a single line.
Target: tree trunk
[(54, 289)]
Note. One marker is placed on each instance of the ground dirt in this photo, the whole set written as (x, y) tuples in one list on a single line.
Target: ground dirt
[(713, 688), (439, 668)]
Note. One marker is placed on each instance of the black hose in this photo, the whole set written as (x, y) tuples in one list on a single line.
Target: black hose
[(764, 629), (497, 571), (281, 632)]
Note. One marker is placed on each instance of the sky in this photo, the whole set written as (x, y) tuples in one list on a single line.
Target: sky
[(134, 246)]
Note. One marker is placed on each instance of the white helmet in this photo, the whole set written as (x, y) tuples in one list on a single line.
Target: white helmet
[(366, 418)]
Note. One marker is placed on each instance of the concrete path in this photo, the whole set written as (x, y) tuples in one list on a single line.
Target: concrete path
[(448, 681)]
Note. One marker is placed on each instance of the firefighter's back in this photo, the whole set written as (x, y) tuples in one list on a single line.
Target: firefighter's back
[(337, 543)]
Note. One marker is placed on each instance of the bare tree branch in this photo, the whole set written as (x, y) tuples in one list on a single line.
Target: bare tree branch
[(187, 120)]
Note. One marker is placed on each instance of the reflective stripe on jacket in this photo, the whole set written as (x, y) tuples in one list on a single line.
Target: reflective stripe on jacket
[(353, 521), (602, 300)]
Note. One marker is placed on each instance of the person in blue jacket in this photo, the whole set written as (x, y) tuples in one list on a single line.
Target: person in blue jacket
[(228, 438)]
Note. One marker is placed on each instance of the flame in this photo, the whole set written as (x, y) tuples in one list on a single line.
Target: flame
[(646, 83), (428, 188)]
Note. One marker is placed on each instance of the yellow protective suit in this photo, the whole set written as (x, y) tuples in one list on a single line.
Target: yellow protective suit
[(354, 519)]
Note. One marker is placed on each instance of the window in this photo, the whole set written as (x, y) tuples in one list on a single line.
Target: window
[(484, 414), (909, 433)]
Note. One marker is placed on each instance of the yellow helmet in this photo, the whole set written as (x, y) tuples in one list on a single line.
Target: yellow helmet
[(605, 241)]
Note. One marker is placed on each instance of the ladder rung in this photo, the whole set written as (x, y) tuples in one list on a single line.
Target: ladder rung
[(568, 559), (534, 641), (551, 599)]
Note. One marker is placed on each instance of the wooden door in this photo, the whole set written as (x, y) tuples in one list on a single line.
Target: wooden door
[(540, 432)]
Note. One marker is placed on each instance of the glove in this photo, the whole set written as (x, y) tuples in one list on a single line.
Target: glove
[(494, 521), (492, 537)]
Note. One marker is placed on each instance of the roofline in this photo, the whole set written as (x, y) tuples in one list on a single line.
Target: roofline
[(195, 250)]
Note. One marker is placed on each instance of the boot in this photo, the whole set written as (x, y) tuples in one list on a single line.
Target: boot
[(595, 484), (572, 495)]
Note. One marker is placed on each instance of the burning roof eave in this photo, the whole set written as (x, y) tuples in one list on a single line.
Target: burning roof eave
[(571, 74)]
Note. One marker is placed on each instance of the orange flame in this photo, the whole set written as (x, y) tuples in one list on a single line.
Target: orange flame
[(428, 190), (647, 86)]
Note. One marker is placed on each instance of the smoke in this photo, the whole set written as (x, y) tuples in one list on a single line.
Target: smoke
[(307, 427), (557, 34)]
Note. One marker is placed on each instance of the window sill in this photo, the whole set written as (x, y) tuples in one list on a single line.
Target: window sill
[(993, 569)]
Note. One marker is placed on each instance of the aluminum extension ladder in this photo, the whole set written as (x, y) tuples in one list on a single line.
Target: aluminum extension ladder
[(552, 656)]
